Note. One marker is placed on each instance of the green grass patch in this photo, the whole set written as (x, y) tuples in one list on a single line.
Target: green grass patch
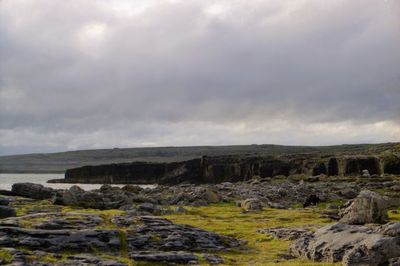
[(262, 249), (5, 256)]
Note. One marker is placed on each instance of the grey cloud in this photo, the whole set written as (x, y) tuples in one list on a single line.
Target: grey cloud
[(70, 68)]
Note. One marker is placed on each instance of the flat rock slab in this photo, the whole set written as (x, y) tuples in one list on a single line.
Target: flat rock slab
[(33, 191), (35, 258), (55, 221), (157, 233), (169, 257), (351, 244), (285, 233), (59, 240), (368, 207)]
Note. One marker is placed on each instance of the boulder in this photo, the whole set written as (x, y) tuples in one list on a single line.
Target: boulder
[(75, 196), (180, 257), (213, 259), (132, 189), (365, 173), (60, 240), (150, 208), (156, 233), (390, 229), (251, 205), (348, 193), (4, 201), (212, 196), (6, 211), (284, 233), (367, 207), (312, 200), (351, 244), (33, 191)]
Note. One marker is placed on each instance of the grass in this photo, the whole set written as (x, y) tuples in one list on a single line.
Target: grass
[(226, 219), (263, 249), (26, 206), (5, 256)]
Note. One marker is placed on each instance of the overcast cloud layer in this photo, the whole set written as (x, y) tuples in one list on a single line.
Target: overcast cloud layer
[(95, 74)]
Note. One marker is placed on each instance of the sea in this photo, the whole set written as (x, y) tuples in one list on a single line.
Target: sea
[(7, 180)]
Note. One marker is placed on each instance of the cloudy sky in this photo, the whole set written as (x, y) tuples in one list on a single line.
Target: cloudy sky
[(100, 74)]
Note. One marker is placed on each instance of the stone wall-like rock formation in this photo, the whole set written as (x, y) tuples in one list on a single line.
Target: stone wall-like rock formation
[(219, 169), (137, 172)]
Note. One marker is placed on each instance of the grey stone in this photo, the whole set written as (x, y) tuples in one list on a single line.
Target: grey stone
[(4, 201), (33, 191), (158, 233), (368, 207), (365, 173), (180, 257), (110, 198), (6, 211), (351, 244), (213, 259), (285, 233), (250, 205), (390, 229), (59, 240)]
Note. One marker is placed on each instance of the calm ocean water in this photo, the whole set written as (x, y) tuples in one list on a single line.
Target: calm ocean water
[(7, 180)]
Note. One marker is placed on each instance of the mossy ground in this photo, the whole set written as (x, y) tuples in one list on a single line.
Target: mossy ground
[(262, 249), (224, 219), (5, 256)]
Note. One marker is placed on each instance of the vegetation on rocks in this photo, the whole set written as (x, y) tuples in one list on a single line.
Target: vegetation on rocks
[(182, 223), (262, 249)]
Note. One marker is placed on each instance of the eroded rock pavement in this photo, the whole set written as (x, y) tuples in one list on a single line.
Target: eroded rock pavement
[(122, 224), (76, 238)]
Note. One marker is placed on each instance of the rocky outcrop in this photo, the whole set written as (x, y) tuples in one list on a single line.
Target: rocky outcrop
[(33, 191), (351, 244), (19, 257), (218, 169), (179, 257), (356, 164), (6, 211), (391, 164), (284, 233), (251, 205), (137, 173), (60, 240), (367, 207), (148, 238), (157, 233), (102, 199)]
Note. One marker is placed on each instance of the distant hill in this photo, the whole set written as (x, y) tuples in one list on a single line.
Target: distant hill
[(59, 162)]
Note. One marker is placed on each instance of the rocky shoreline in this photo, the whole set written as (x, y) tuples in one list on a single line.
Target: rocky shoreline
[(341, 220), (230, 168)]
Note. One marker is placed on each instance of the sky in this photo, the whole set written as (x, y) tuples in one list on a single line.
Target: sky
[(108, 73)]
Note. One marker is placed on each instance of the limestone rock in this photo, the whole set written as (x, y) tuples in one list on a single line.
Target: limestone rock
[(108, 199), (60, 240), (160, 234), (88, 259), (249, 205), (285, 233), (213, 259), (351, 244), (180, 257), (365, 173), (6, 211), (150, 208), (33, 191), (390, 229), (368, 207), (4, 201)]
